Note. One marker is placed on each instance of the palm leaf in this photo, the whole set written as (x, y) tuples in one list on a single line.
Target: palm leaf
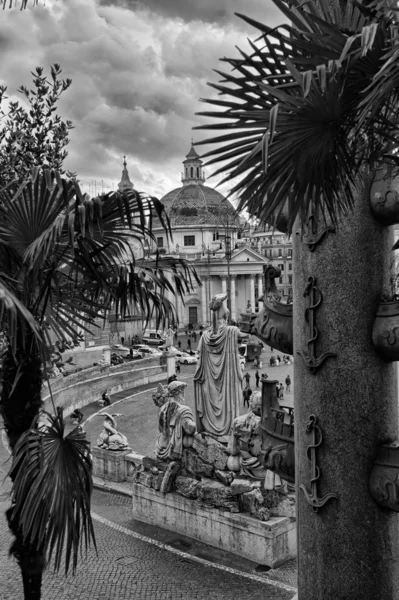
[(312, 91), (51, 491)]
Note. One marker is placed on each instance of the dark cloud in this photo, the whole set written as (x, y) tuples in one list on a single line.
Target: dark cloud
[(221, 12)]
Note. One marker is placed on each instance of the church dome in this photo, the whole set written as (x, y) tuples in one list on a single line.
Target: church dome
[(195, 203)]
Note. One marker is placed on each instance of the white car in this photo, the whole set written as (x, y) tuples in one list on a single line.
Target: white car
[(173, 349), (145, 351), (120, 350), (187, 359)]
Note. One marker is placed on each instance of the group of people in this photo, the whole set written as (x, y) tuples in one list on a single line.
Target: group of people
[(247, 391), (275, 361)]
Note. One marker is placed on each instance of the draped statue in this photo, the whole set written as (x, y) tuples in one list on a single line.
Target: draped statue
[(218, 378), (176, 421)]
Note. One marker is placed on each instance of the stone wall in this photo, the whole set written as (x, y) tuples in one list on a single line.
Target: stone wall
[(86, 386)]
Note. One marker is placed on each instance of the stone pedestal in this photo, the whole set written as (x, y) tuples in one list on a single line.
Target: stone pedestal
[(109, 464), (265, 542), (349, 549)]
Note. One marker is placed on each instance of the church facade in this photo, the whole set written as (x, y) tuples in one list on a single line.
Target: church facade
[(207, 232)]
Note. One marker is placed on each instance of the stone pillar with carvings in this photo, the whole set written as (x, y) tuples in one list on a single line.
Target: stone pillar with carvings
[(233, 297), (204, 303), (252, 291)]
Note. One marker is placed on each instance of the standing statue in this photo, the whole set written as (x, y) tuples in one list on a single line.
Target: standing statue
[(110, 438), (176, 421), (218, 378)]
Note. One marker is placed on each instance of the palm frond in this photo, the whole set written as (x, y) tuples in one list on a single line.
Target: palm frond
[(51, 491), (299, 108)]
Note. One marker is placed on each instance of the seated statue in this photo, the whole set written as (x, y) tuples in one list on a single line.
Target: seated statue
[(218, 378), (246, 440), (176, 421), (110, 438)]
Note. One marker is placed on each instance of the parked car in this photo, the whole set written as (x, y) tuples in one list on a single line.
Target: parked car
[(188, 359), (120, 350), (173, 349), (153, 337), (146, 351)]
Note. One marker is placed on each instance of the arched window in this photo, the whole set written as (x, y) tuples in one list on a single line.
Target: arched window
[(192, 171)]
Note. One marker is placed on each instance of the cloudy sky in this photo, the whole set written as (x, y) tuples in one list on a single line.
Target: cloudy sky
[(138, 72)]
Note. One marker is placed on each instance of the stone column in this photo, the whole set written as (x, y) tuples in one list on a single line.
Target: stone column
[(350, 547), (210, 289), (260, 290), (204, 303), (252, 291), (224, 283), (233, 297)]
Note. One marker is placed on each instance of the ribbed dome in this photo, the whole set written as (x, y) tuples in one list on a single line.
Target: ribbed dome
[(197, 204)]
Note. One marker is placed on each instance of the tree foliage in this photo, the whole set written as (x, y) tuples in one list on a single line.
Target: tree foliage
[(309, 108), (36, 135)]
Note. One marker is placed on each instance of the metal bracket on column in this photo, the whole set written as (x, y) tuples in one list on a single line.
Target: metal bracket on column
[(312, 237), (315, 299), (312, 498)]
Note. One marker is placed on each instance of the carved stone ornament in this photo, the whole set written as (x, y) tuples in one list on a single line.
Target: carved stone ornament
[(273, 325), (384, 478), (312, 237), (386, 331), (309, 356), (311, 496)]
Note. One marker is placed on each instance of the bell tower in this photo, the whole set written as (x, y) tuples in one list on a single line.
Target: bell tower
[(193, 171), (125, 183)]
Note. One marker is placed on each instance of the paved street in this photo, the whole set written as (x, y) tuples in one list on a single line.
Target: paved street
[(129, 564), (139, 414)]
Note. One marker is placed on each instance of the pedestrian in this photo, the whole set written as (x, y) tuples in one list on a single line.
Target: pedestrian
[(177, 368), (106, 398), (278, 389), (247, 393), (257, 378), (281, 391), (189, 344), (288, 383), (179, 344), (172, 378), (247, 377), (122, 340), (194, 336)]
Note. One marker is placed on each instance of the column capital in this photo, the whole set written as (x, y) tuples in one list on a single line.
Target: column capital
[(252, 276), (223, 276)]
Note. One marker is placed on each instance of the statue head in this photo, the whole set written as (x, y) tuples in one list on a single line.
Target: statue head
[(176, 391), (255, 402)]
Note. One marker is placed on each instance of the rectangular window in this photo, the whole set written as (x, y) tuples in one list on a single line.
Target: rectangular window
[(280, 280), (160, 242), (215, 238), (290, 279), (189, 240), (289, 251), (290, 266), (281, 266)]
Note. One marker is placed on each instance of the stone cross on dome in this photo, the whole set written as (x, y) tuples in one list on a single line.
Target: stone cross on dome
[(193, 171), (125, 183)]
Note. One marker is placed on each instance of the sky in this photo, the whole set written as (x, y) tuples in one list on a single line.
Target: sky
[(138, 71)]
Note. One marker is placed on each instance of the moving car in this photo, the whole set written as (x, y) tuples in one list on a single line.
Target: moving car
[(187, 359), (153, 337), (146, 351)]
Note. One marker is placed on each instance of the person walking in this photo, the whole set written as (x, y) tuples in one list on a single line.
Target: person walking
[(288, 383), (257, 377), (246, 395), (247, 377), (189, 344), (194, 336), (179, 344)]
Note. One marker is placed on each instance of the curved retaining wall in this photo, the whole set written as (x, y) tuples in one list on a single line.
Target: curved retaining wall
[(84, 387)]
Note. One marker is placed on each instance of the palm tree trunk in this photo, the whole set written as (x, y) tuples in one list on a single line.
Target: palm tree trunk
[(20, 403)]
